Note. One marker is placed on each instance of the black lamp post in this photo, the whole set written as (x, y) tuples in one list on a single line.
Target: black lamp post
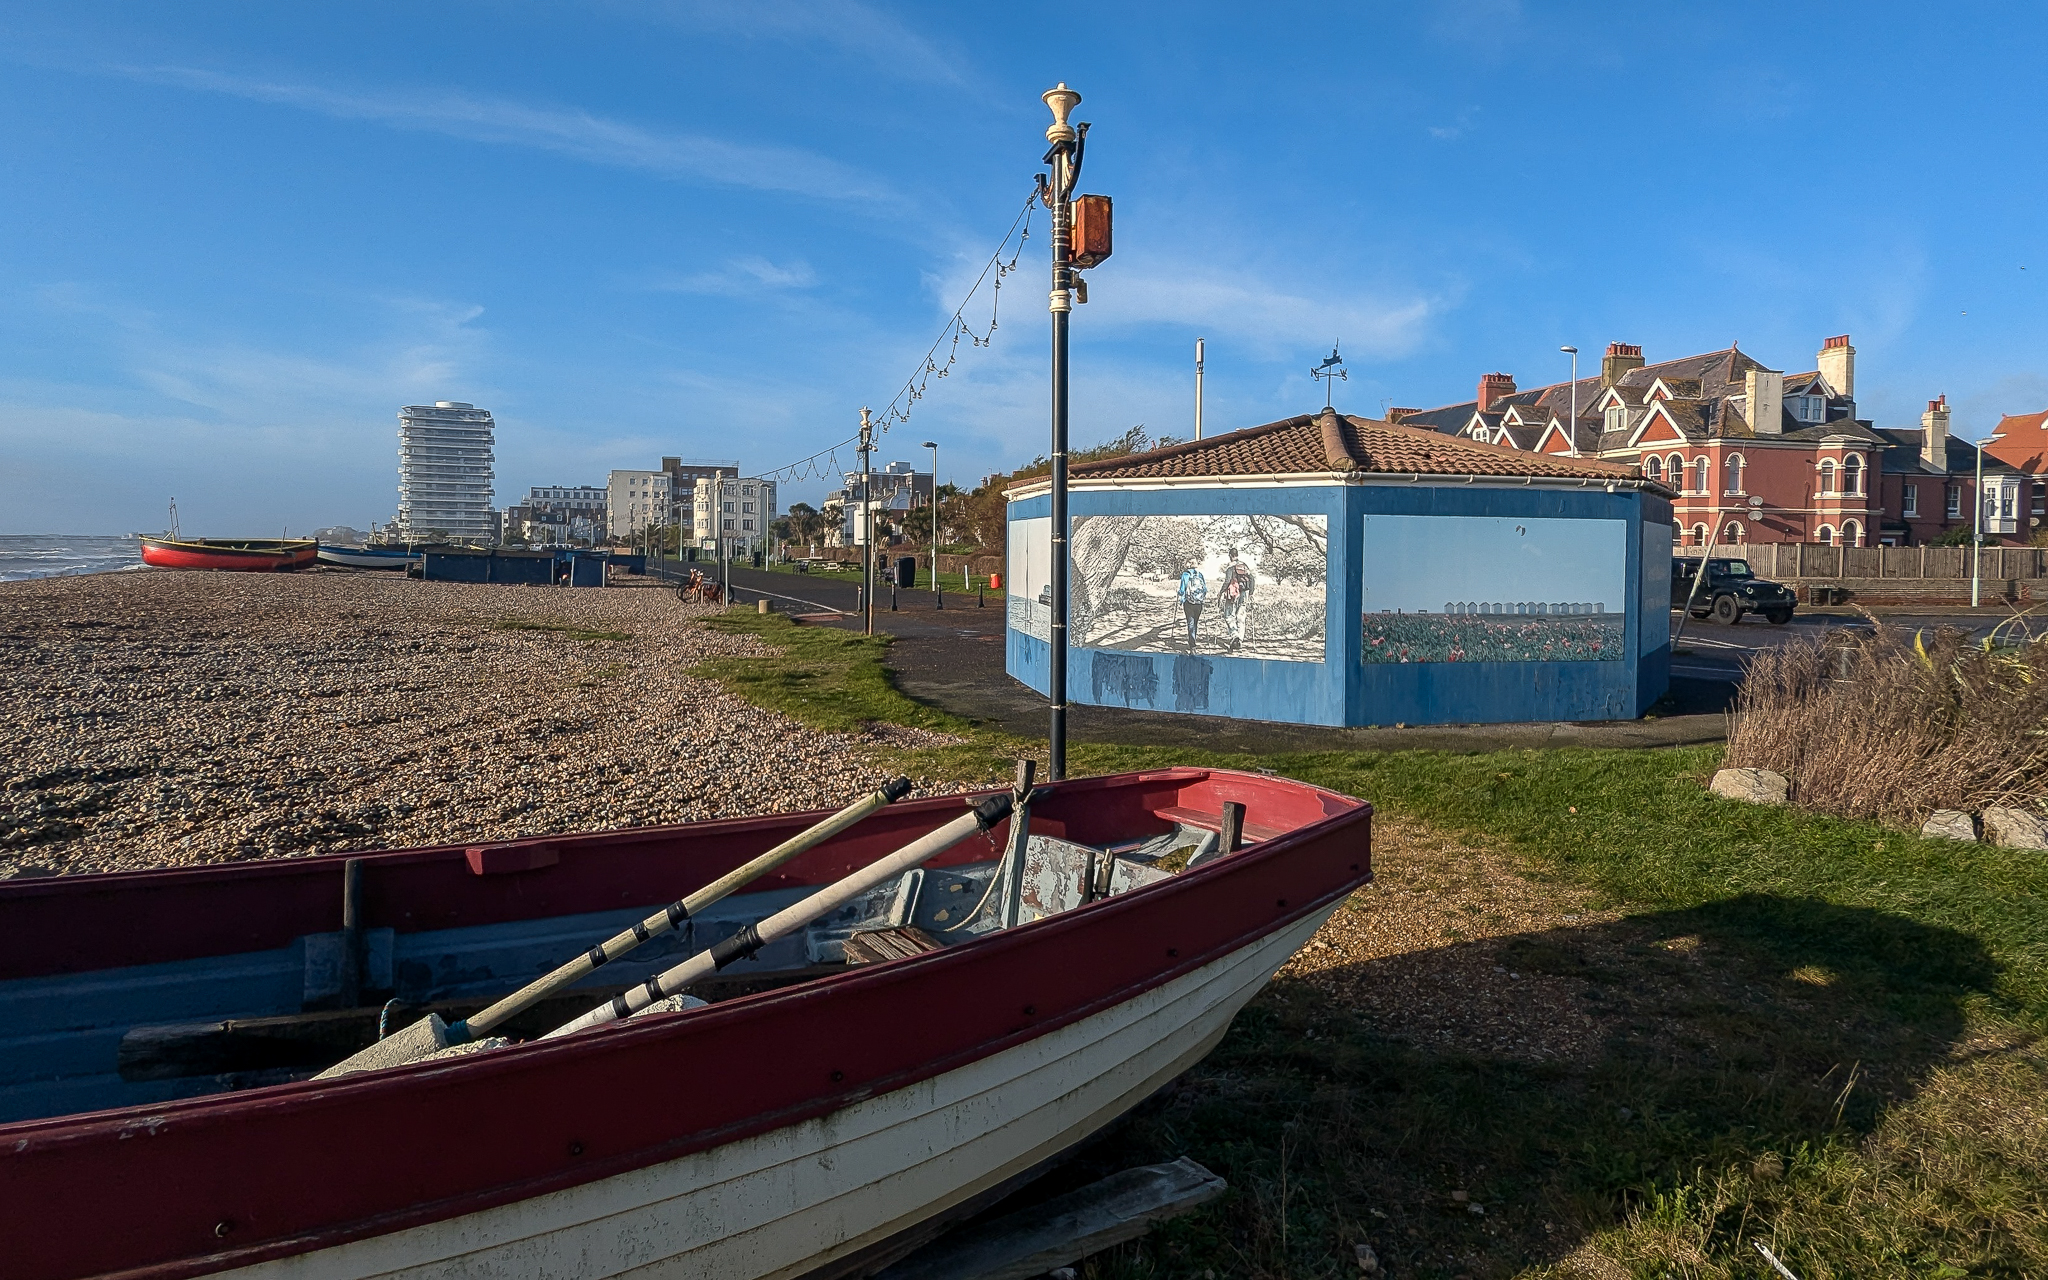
[(1065, 159)]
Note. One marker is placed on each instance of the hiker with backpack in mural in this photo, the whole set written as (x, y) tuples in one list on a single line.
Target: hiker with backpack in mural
[(1193, 593), (1238, 584)]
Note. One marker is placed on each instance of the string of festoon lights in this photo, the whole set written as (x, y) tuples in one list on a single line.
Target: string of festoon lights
[(825, 462)]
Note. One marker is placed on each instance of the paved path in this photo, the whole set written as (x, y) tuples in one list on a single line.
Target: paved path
[(952, 658)]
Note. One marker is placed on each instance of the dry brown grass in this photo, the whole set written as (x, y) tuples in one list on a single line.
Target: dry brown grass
[(1896, 724)]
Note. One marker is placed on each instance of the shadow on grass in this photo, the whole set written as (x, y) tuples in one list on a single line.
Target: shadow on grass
[(1757, 1034)]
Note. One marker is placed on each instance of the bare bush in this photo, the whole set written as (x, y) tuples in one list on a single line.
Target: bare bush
[(1895, 724)]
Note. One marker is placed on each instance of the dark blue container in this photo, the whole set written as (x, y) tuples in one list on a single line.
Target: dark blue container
[(536, 567), (586, 571)]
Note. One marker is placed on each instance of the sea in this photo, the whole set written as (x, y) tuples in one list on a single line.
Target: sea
[(44, 555)]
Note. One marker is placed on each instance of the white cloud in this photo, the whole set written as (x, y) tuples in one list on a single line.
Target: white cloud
[(1273, 318), (565, 131), (742, 277), (859, 29)]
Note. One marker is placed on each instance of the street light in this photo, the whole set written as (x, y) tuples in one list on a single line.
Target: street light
[(1571, 432), (938, 598), (1064, 158), (1977, 525)]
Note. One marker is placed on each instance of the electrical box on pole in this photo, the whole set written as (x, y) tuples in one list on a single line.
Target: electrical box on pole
[(1091, 242)]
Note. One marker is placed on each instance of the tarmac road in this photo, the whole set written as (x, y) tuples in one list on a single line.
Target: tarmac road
[(953, 658)]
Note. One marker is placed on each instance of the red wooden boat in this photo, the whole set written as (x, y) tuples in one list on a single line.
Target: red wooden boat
[(816, 1119), (259, 555)]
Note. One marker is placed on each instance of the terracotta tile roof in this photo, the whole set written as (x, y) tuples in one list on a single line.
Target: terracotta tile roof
[(1329, 443)]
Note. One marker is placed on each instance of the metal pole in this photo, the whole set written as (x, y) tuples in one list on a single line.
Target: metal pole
[(1977, 534), (1198, 388), (1063, 137), (867, 517), (1713, 536), (1571, 430), (938, 596)]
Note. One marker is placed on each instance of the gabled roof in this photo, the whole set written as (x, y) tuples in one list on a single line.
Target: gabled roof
[(1674, 388), (1902, 455), (1333, 444), (1718, 373)]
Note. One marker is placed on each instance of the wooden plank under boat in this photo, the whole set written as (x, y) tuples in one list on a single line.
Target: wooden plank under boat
[(797, 1130), (259, 555)]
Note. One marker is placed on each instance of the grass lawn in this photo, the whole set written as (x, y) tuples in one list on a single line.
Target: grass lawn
[(1637, 1026)]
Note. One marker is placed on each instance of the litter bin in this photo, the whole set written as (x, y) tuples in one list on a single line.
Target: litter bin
[(906, 571)]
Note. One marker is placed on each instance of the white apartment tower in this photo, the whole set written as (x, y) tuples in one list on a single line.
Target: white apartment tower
[(444, 470), (736, 510), (636, 499)]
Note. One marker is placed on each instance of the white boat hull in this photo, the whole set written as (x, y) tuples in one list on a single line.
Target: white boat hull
[(785, 1203), (363, 559)]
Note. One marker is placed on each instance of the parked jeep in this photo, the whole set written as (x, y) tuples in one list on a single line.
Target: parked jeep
[(1730, 590)]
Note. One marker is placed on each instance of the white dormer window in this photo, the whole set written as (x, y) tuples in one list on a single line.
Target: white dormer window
[(1617, 417)]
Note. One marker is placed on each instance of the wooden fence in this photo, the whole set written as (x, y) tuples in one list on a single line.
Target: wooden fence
[(1781, 560)]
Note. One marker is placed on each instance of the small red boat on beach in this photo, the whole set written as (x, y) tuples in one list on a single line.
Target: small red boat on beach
[(908, 1017), (258, 555)]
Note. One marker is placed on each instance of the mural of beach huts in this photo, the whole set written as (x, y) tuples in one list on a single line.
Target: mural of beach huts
[(1337, 570)]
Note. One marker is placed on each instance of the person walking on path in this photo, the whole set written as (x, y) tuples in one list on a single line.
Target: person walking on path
[(1194, 591), (1238, 584)]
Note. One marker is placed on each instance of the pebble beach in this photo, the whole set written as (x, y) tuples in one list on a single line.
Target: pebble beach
[(165, 718)]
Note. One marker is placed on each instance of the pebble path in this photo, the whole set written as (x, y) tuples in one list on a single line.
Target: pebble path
[(164, 718)]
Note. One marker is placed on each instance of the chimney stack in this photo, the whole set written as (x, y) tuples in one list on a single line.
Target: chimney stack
[(1396, 414), (1620, 358), (1934, 434), (1494, 386), (1838, 365), (1765, 392)]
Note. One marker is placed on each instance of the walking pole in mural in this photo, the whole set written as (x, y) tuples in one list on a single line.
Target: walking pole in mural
[(1194, 592)]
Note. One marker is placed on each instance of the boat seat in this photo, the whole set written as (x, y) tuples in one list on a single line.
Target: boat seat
[(1214, 822), (898, 942)]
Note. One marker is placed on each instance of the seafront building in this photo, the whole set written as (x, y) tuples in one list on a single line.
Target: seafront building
[(683, 476), (636, 500), (559, 514), (1752, 454), (445, 456), (1341, 570), (888, 495), (732, 513)]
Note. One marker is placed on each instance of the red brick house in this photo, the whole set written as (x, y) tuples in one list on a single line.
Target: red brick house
[(1766, 456), (2025, 450)]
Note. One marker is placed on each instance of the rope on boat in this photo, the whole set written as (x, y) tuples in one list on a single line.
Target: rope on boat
[(752, 938)]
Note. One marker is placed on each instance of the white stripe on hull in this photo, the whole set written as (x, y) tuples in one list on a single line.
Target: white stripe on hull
[(786, 1202)]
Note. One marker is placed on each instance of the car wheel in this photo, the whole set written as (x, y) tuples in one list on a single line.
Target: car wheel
[(1779, 617), (1726, 611)]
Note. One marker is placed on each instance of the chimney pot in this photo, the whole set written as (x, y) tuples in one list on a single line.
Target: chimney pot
[(1621, 357)]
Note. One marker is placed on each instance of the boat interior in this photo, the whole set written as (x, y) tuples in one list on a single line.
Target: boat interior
[(149, 988)]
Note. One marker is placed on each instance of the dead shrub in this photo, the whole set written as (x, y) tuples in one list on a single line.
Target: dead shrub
[(1895, 724)]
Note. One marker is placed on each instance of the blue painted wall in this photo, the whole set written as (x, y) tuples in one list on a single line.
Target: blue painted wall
[(1342, 689), (1207, 684)]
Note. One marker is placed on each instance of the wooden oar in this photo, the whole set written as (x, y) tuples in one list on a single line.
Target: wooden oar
[(431, 1035), (753, 937)]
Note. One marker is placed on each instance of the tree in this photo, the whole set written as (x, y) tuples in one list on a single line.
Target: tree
[(983, 514)]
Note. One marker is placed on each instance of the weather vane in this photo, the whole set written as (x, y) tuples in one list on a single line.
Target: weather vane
[(1330, 371)]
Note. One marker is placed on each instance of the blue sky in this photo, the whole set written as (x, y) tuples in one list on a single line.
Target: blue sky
[(235, 238)]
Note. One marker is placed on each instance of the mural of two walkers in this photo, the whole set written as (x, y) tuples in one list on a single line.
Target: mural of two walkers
[(1248, 586)]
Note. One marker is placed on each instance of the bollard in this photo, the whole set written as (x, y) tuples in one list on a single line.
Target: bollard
[(761, 605), (979, 603), (892, 597)]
